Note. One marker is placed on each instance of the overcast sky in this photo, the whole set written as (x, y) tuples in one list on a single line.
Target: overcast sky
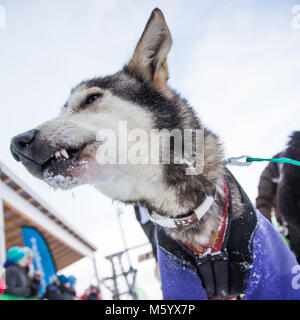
[(237, 62)]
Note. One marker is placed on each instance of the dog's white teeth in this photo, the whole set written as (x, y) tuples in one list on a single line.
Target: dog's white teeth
[(64, 153), (61, 153), (57, 155)]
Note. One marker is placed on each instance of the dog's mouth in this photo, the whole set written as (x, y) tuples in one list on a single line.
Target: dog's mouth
[(65, 167), (66, 160), (49, 164)]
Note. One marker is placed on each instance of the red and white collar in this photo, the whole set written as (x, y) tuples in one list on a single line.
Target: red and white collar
[(186, 221), (215, 243)]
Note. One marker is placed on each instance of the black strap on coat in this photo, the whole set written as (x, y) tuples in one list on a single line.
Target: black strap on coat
[(222, 274)]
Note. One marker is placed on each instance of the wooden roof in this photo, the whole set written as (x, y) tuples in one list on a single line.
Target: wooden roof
[(14, 218)]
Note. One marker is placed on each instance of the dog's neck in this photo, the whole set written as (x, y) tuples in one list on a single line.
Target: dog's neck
[(192, 191), (153, 187)]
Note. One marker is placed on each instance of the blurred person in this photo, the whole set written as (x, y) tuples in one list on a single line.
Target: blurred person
[(72, 281), (2, 282), (17, 281), (29, 263), (31, 273), (86, 294), (67, 287), (267, 189), (92, 293), (53, 291), (266, 200), (2, 286)]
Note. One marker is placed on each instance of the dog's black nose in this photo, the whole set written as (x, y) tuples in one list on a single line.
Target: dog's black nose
[(21, 142)]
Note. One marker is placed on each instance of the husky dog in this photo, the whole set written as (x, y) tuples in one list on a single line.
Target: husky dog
[(288, 193), (212, 242)]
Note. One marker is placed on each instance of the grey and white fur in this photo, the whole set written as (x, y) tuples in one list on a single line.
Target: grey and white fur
[(63, 151)]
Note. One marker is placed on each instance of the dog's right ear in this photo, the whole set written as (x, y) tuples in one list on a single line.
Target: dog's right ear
[(150, 56)]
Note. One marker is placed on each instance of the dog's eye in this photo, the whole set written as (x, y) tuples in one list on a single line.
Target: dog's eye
[(90, 99)]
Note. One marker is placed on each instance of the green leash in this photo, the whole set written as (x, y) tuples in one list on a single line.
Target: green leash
[(281, 160), (247, 161)]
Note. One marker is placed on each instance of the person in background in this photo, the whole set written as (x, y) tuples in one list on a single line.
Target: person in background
[(92, 293), (29, 264), (86, 294), (267, 190), (67, 287), (2, 282), (30, 272), (17, 281), (95, 293), (72, 281), (53, 291)]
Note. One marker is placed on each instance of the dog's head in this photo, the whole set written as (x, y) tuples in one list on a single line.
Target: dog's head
[(66, 147), (65, 151)]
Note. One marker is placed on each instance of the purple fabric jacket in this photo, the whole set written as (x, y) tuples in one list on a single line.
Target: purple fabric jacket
[(270, 277)]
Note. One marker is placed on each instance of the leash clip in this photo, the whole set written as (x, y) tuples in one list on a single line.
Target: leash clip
[(236, 161)]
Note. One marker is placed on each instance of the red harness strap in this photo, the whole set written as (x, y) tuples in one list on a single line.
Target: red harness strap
[(215, 243)]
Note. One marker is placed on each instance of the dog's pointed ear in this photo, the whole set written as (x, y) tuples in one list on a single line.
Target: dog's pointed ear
[(150, 56)]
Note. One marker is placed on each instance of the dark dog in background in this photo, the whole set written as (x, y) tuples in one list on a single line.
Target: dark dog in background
[(288, 194)]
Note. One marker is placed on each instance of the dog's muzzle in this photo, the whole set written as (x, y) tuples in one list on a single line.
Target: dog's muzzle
[(29, 149)]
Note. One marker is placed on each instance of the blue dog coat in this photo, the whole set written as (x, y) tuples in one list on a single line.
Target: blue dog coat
[(269, 276)]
